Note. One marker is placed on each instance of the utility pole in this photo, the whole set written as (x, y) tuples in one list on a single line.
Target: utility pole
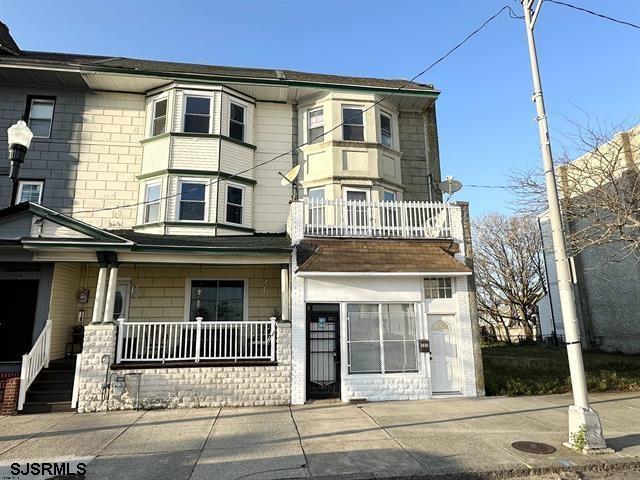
[(581, 415)]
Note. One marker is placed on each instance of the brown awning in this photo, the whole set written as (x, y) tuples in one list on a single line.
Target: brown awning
[(383, 256)]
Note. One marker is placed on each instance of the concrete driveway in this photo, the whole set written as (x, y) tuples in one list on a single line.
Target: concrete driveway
[(318, 439)]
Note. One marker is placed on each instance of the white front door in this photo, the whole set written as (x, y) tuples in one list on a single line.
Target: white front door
[(444, 354), (121, 305)]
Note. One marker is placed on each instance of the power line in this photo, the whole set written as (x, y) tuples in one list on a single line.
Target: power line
[(591, 12), (292, 151)]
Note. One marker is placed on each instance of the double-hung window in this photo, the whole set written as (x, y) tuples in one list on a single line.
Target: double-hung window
[(315, 130), (353, 124), (235, 198), (192, 203), (30, 191), (385, 130), (236, 122), (41, 116), (382, 338), (217, 300), (197, 114), (159, 123), (152, 202)]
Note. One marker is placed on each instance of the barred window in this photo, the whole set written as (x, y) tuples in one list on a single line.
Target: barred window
[(437, 288), (382, 338)]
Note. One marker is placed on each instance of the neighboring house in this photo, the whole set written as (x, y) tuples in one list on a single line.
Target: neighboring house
[(151, 212), (606, 287)]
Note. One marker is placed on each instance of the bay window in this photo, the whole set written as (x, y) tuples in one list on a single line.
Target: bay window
[(353, 124), (197, 114), (385, 130), (315, 127), (159, 122), (192, 201), (152, 202), (235, 196), (236, 122)]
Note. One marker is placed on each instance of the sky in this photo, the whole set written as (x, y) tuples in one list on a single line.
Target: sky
[(486, 122)]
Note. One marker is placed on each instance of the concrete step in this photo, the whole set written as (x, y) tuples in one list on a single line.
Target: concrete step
[(48, 395), (47, 407)]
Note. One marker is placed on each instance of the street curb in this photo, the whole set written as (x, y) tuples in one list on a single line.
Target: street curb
[(515, 471)]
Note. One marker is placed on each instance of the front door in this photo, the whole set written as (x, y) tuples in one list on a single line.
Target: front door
[(445, 375), (18, 299), (121, 304), (323, 350)]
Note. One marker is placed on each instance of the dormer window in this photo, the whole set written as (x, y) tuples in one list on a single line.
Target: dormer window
[(236, 122), (315, 126), (385, 130), (197, 114), (353, 124), (159, 124)]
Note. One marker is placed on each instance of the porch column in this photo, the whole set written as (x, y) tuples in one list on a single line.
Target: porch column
[(284, 293), (98, 304), (111, 296)]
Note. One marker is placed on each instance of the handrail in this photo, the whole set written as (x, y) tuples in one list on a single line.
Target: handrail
[(34, 361)]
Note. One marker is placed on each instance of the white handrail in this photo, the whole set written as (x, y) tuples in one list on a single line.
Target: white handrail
[(361, 218), (34, 361), (141, 341), (76, 382)]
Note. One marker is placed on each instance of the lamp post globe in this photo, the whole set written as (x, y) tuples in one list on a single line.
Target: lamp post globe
[(19, 139)]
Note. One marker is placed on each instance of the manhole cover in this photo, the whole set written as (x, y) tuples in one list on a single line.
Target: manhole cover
[(533, 447)]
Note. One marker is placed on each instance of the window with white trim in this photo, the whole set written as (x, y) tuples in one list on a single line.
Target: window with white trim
[(316, 206), (382, 338), (152, 202), (30, 191), (236, 122), (438, 288), (235, 202), (217, 300), (197, 114), (353, 124), (41, 116), (159, 122), (192, 201), (389, 196), (385, 129), (315, 126)]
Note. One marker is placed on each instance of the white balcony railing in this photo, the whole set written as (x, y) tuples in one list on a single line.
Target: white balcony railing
[(34, 361), (197, 340), (360, 218)]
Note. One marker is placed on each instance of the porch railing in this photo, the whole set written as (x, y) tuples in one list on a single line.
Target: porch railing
[(197, 340), (34, 361), (361, 218)]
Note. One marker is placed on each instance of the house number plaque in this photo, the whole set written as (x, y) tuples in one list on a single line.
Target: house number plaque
[(424, 345)]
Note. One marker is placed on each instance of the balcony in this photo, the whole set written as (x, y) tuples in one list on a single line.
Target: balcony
[(370, 219)]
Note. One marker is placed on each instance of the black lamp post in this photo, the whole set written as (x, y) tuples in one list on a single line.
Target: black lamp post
[(19, 139)]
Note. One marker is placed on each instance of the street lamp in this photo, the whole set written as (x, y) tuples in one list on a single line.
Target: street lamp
[(19, 139)]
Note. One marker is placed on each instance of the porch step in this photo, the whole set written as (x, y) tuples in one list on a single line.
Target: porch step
[(36, 396), (52, 389), (47, 407)]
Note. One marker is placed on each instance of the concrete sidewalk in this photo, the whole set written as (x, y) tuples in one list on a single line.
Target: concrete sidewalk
[(318, 439)]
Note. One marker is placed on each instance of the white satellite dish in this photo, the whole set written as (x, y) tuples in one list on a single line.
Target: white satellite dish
[(290, 177), (450, 185)]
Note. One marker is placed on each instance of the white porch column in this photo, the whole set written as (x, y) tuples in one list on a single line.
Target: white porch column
[(98, 304), (284, 293), (111, 296)]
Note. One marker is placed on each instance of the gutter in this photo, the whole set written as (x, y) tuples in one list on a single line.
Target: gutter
[(382, 274)]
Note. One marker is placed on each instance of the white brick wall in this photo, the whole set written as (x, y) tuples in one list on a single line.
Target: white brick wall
[(397, 386)]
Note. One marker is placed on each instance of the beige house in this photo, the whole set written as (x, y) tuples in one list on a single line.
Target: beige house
[(168, 264)]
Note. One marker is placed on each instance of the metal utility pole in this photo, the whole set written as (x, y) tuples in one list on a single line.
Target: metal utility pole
[(581, 415)]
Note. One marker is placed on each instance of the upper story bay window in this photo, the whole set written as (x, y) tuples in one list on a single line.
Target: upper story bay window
[(353, 124), (235, 199), (152, 202), (236, 122), (385, 130), (40, 113), (197, 115), (193, 200), (159, 123), (315, 126)]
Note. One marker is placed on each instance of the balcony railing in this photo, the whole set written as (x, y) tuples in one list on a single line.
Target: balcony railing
[(361, 218), (197, 340)]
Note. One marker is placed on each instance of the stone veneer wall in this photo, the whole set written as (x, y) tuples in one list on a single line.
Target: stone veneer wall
[(186, 387)]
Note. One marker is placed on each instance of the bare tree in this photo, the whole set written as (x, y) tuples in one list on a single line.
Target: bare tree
[(600, 189), (508, 268)]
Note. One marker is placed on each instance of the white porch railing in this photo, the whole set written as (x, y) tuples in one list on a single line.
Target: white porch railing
[(361, 218), (170, 341), (34, 361)]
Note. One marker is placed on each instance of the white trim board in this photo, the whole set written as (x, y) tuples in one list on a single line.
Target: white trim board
[(383, 274)]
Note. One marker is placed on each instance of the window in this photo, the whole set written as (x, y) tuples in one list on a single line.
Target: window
[(385, 129), (437, 288), (382, 338), (357, 208), (29, 191), (236, 122), (41, 116), (389, 196), (234, 204), (353, 124), (316, 206), (159, 117), (217, 300), (192, 201), (152, 202), (315, 128), (196, 115)]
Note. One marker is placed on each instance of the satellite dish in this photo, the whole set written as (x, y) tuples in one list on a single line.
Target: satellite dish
[(290, 177), (450, 186)]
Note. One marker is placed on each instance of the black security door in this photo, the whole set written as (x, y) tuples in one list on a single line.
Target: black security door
[(18, 299), (323, 350)]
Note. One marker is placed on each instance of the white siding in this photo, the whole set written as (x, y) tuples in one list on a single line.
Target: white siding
[(236, 158), (63, 306), (194, 153), (155, 155)]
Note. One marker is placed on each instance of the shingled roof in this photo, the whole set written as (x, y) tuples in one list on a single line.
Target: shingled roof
[(7, 44)]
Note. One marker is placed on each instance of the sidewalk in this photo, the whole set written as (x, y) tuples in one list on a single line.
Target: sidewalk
[(318, 439)]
